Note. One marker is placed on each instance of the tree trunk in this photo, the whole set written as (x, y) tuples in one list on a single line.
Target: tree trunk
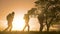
[(48, 24)]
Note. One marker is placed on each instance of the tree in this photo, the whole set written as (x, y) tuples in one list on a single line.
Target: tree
[(42, 4), (41, 20), (50, 9), (32, 11)]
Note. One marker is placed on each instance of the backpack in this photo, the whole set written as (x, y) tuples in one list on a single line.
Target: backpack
[(8, 16), (26, 16)]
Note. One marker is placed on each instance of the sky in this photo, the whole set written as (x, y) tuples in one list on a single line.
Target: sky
[(20, 7)]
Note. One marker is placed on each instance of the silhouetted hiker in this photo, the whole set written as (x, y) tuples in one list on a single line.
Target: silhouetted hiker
[(26, 18), (10, 20), (41, 19)]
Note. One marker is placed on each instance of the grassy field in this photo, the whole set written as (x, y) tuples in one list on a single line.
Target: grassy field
[(18, 32)]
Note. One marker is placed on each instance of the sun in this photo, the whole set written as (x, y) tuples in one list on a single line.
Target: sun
[(18, 23)]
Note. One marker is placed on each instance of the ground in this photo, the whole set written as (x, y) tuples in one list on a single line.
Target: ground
[(18, 32)]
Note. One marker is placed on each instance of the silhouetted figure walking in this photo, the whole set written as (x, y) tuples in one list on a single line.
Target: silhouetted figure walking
[(26, 17), (41, 19), (10, 20)]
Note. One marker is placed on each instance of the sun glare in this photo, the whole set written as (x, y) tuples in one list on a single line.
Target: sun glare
[(18, 23)]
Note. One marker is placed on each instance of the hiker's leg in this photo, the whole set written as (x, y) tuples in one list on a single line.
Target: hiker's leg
[(24, 27), (10, 28), (7, 27), (28, 27)]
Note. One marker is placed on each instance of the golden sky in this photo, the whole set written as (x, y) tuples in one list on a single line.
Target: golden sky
[(20, 6)]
